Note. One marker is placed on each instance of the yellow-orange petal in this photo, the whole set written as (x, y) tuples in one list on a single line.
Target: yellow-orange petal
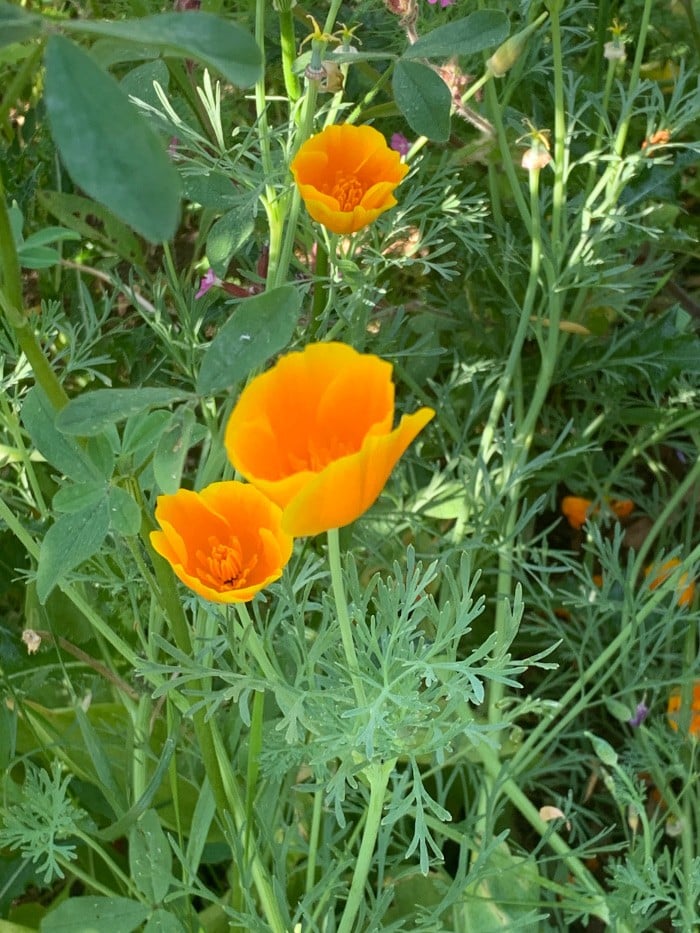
[(346, 176), (311, 408), (346, 488), (318, 425), (622, 508), (575, 510), (225, 543)]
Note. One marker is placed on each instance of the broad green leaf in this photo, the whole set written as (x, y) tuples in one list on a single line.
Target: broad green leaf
[(212, 190), (73, 498), (216, 42), (150, 858), (227, 236), (95, 915), (72, 539), (50, 235), (63, 453), (94, 222), (38, 257), (423, 98), (139, 81), (108, 148), (481, 30), (258, 328), (124, 513), (141, 435), (16, 25), (175, 441), (90, 413)]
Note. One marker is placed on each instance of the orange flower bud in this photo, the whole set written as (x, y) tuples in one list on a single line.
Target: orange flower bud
[(684, 589), (346, 176), (225, 542), (315, 435)]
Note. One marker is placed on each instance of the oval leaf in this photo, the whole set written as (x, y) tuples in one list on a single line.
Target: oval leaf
[(108, 148), (124, 513), (150, 858), (424, 99), (258, 328), (90, 413), (106, 914), (72, 539), (481, 30), (216, 42), (169, 458)]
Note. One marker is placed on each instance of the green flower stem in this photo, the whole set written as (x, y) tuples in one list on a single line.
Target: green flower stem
[(320, 295), (12, 305), (217, 764), (253, 643), (270, 199), (255, 743), (233, 802), (377, 775), (494, 768), (314, 833), (341, 606), (561, 155), (289, 51)]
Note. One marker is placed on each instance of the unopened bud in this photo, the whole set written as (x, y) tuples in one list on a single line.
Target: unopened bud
[(507, 54)]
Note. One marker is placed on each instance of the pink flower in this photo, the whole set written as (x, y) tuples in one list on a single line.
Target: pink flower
[(398, 142), (209, 280), (443, 3)]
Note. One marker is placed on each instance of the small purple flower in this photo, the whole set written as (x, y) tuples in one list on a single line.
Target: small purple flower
[(209, 280), (400, 144), (443, 3), (172, 146), (640, 714)]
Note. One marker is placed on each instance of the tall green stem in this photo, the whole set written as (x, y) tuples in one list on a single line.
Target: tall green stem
[(341, 607), (12, 305), (377, 775)]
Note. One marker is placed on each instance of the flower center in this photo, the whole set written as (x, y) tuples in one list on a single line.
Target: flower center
[(222, 565), (347, 191)]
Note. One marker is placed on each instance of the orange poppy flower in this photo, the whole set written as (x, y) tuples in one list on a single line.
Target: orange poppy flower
[(684, 589), (346, 175), (674, 707), (225, 542), (314, 433), (577, 510)]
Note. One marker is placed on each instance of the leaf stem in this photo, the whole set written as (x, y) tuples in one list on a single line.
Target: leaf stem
[(377, 775), (343, 616)]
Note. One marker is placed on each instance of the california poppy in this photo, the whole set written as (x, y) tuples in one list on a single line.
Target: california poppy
[(347, 175), (674, 708), (225, 542), (314, 433), (684, 589)]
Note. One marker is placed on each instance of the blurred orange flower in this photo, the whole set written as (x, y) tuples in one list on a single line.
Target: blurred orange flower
[(314, 433), (684, 589), (346, 175), (577, 510), (674, 707), (225, 542), (659, 138)]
